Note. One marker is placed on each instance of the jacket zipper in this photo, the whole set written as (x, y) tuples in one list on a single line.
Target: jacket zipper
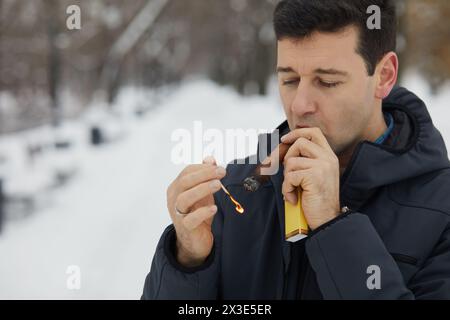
[(286, 276), (303, 263), (304, 268)]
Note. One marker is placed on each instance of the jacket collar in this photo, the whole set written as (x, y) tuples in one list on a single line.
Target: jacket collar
[(414, 148)]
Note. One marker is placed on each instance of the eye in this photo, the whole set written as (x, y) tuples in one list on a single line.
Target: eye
[(290, 82), (327, 84)]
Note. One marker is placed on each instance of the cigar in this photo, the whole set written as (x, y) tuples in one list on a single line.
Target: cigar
[(258, 177), (296, 226)]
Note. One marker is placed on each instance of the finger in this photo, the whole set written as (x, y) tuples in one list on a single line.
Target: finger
[(209, 160), (203, 174), (292, 181), (298, 163), (190, 168), (188, 198), (304, 148), (278, 153), (196, 218), (313, 134)]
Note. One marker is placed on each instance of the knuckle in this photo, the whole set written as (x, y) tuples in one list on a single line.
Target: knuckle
[(287, 165), (212, 172), (213, 185), (186, 170), (300, 143), (304, 140), (291, 163), (185, 181), (287, 186), (289, 176)]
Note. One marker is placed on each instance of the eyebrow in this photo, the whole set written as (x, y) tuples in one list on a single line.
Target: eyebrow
[(284, 69), (331, 71), (318, 71)]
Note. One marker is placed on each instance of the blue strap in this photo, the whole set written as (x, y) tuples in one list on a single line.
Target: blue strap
[(388, 131)]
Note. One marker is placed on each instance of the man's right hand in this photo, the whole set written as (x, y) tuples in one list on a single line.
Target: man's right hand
[(191, 194)]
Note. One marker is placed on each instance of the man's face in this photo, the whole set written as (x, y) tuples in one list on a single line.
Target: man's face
[(324, 83)]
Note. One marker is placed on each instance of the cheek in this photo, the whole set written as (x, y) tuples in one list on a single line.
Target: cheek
[(340, 123), (345, 115), (334, 127), (287, 98)]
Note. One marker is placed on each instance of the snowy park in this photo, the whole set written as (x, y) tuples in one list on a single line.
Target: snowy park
[(104, 102), (108, 218)]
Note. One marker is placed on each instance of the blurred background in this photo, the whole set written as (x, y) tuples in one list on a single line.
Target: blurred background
[(87, 116)]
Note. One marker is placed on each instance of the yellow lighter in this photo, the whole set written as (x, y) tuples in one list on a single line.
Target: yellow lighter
[(296, 227)]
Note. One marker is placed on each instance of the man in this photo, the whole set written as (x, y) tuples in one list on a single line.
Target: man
[(355, 141)]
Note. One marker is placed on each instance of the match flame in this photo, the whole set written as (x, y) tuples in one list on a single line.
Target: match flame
[(238, 208)]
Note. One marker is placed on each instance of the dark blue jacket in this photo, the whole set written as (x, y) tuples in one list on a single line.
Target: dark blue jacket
[(399, 196)]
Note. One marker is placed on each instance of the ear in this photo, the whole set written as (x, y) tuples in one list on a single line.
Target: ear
[(386, 74)]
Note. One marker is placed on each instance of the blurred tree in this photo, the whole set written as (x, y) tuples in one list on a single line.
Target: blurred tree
[(427, 39), (48, 71), (126, 42)]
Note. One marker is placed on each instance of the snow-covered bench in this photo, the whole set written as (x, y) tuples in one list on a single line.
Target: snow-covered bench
[(32, 164)]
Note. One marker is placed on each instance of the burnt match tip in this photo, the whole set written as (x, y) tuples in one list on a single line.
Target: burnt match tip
[(251, 184)]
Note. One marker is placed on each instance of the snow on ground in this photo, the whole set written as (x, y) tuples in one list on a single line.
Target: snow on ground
[(438, 105), (108, 219)]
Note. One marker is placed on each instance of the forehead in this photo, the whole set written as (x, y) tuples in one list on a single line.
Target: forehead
[(321, 50)]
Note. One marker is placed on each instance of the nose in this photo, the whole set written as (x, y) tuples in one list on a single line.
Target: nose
[(303, 103)]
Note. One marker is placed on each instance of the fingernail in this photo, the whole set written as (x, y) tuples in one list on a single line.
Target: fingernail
[(286, 198), (220, 171), (283, 138), (213, 209), (214, 184), (209, 159)]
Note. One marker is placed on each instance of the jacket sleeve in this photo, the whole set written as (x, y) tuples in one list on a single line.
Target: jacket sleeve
[(169, 280), (341, 251)]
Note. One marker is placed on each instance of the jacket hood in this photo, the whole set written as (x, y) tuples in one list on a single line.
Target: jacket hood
[(415, 148)]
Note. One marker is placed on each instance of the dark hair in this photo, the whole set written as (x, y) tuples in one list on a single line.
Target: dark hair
[(298, 19)]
